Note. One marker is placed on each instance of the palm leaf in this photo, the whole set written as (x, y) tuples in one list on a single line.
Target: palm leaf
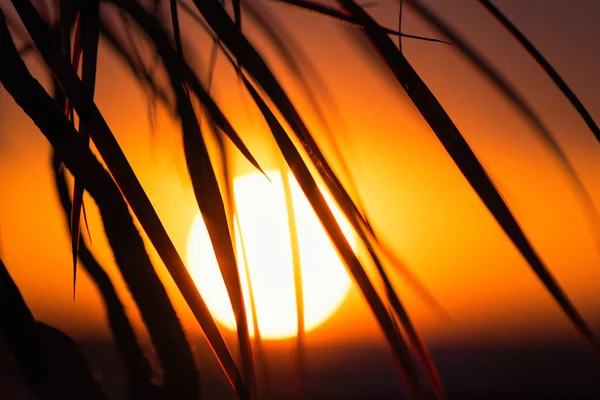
[(465, 159), (519, 102), (253, 63), (358, 221), (207, 191), (124, 177), (361, 224)]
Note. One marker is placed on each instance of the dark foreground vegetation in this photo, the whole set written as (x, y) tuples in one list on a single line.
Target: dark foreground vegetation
[(51, 364)]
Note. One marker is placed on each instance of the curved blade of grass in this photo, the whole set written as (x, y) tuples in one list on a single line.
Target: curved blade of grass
[(129, 185), (332, 13), (263, 384), (192, 80), (244, 52), (211, 107), (298, 284), (90, 12), (519, 102), (67, 13), (304, 71), (168, 337), (86, 37), (357, 219), (212, 207), (206, 189), (250, 59), (415, 340), (317, 201), (466, 160), (400, 24), (217, 116), (546, 66), (361, 225), (220, 22), (130, 352), (65, 27), (74, 226)]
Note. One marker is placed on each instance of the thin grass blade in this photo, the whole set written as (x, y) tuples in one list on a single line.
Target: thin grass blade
[(303, 70), (74, 225), (212, 207), (126, 343), (357, 219), (521, 104), (400, 24), (298, 285), (252, 62), (342, 16), (262, 372), (129, 185), (87, 36), (317, 201), (208, 195), (546, 66), (243, 51), (466, 160)]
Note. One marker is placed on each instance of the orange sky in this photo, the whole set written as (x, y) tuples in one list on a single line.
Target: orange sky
[(414, 195)]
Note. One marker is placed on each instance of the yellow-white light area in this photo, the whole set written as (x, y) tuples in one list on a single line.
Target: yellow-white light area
[(263, 226)]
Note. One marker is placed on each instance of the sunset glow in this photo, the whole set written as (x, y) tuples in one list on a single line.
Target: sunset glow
[(264, 241)]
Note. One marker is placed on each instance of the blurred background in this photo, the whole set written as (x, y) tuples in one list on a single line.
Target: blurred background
[(504, 334)]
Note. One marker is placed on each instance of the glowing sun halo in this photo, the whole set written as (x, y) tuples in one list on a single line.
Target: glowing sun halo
[(263, 224)]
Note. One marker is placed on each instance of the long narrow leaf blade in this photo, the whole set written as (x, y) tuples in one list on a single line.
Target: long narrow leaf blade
[(130, 186), (261, 72), (207, 191), (317, 201), (546, 66), (74, 224), (522, 106), (243, 51), (332, 13), (465, 159)]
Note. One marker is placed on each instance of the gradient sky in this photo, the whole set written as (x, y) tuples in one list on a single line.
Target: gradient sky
[(413, 193)]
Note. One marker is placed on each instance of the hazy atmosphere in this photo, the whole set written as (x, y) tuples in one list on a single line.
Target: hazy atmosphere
[(395, 193)]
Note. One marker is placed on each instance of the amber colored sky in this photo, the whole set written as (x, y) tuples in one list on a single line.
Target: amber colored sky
[(413, 193)]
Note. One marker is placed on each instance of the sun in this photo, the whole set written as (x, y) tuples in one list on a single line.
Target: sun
[(263, 248)]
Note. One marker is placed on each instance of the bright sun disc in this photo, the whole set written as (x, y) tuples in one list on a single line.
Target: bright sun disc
[(261, 208)]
